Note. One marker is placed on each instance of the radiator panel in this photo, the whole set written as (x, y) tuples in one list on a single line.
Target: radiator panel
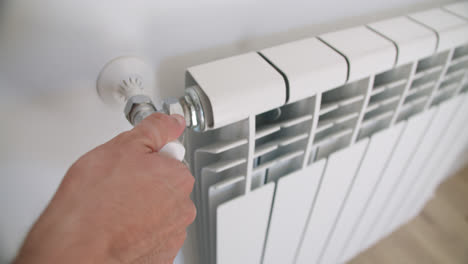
[(241, 227), (392, 174), (458, 144), (339, 172), (293, 202), (424, 186), (413, 130), (320, 147), (379, 150), (385, 221)]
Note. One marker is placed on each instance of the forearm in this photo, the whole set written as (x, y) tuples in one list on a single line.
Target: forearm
[(64, 246)]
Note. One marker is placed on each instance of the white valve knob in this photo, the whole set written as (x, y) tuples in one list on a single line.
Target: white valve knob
[(174, 149)]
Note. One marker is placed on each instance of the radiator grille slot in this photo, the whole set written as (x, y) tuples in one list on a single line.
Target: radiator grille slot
[(453, 79), (428, 72), (460, 54), (385, 96), (464, 88), (338, 116), (281, 138), (431, 64)]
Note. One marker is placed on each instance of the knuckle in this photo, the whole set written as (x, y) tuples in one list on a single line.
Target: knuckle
[(182, 237), (191, 180), (184, 171), (176, 175), (173, 245), (190, 213), (184, 168), (187, 181), (178, 240)]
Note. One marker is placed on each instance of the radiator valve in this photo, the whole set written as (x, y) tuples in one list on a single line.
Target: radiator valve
[(189, 106), (128, 82)]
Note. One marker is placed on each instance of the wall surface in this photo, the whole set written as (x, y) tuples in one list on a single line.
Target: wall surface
[(51, 52)]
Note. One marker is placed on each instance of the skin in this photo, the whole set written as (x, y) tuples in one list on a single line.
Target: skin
[(122, 202)]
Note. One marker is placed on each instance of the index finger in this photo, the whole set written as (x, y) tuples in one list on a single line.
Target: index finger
[(159, 129)]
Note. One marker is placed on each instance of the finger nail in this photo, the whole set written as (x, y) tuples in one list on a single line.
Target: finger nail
[(180, 119)]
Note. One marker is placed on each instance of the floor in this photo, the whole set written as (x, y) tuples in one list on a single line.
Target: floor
[(438, 235)]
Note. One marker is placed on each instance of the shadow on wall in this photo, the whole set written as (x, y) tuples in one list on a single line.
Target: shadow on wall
[(47, 49)]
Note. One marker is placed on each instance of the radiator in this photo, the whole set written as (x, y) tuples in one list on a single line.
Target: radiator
[(325, 145)]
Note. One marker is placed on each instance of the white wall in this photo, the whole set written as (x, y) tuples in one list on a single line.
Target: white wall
[(52, 50)]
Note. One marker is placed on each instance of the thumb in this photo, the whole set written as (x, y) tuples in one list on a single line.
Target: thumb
[(159, 129)]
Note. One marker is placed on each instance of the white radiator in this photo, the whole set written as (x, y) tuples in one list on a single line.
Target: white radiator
[(325, 145)]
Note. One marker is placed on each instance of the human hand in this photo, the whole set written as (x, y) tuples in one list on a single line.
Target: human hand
[(122, 202)]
